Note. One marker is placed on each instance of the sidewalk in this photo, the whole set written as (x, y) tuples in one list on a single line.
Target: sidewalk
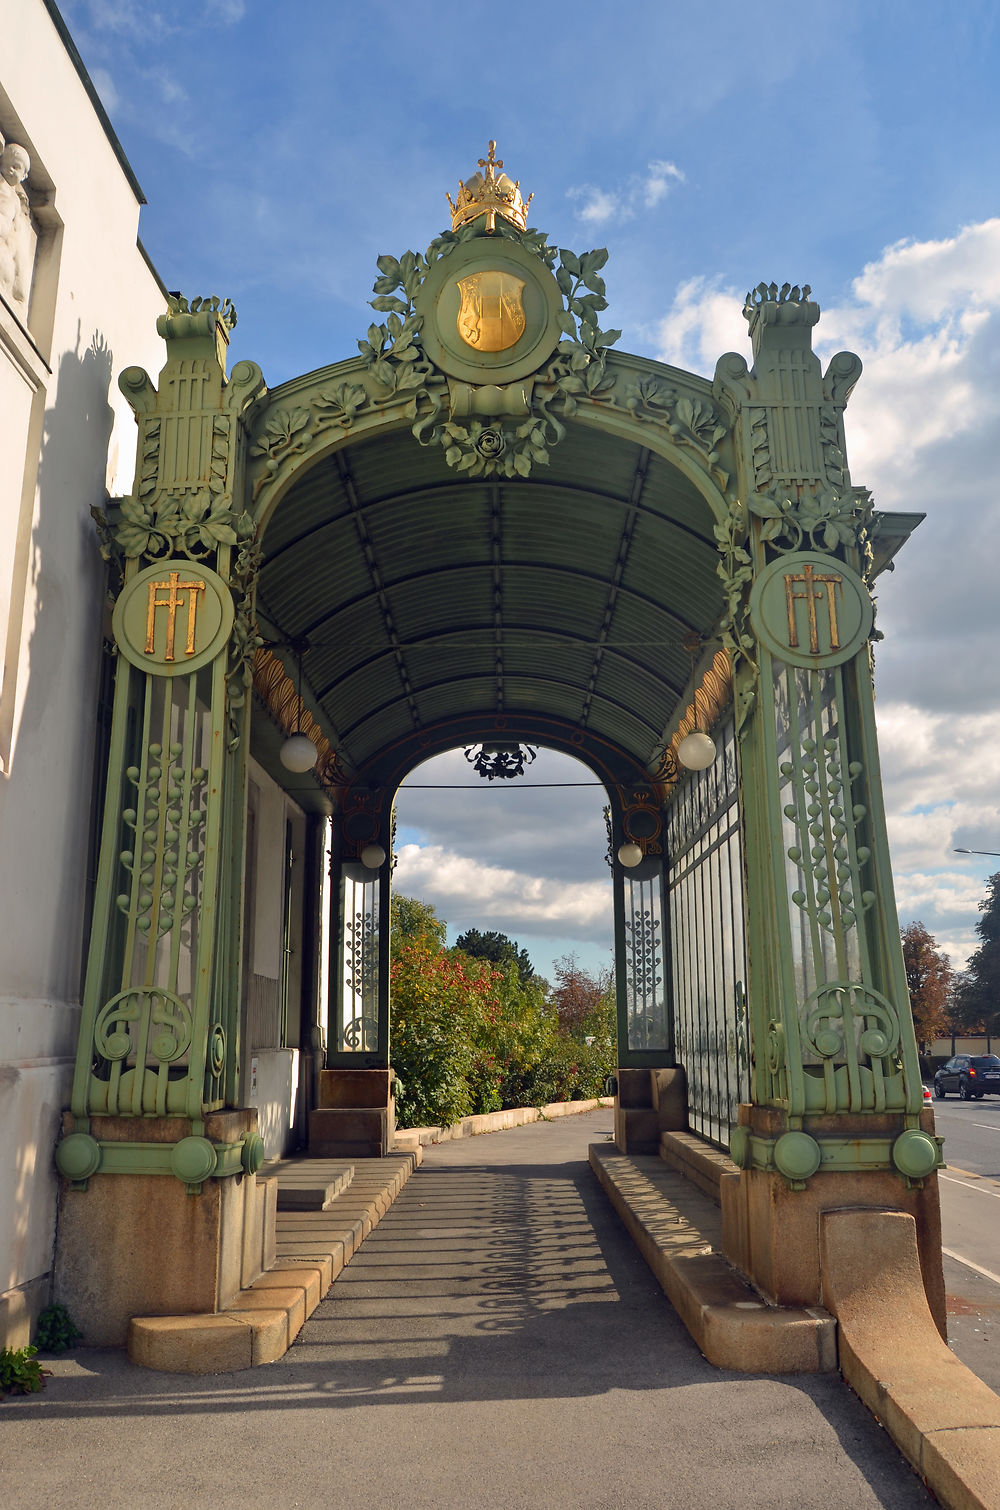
[(497, 1341)]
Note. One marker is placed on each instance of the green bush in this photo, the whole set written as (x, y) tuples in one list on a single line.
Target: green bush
[(55, 1330), (20, 1373)]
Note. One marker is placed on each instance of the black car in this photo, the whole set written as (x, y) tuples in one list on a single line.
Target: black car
[(972, 1075)]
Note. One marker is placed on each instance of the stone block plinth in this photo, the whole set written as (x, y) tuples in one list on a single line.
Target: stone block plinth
[(355, 1117), (142, 1245)]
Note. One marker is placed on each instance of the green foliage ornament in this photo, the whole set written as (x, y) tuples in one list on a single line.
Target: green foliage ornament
[(398, 365), (828, 520)]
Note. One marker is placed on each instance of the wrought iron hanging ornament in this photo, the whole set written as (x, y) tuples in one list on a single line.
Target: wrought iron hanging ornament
[(499, 761), (696, 750), (298, 753)]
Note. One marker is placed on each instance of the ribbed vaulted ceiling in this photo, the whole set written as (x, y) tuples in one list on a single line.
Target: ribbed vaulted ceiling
[(426, 596)]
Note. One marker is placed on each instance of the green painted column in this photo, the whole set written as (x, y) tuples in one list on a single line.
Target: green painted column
[(837, 1097), (159, 1038)]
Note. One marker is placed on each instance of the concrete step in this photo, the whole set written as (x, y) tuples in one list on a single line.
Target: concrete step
[(698, 1161), (677, 1228), (312, 1246), (310, 1184)]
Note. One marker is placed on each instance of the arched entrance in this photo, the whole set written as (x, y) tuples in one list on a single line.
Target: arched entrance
[(489, 525), (430, 609)]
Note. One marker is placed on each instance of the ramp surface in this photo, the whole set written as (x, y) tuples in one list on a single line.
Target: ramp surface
[(497, 1341)]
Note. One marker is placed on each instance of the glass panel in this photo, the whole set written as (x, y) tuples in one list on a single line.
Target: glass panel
[(705, 896), (648, 1018), (358, 1026)]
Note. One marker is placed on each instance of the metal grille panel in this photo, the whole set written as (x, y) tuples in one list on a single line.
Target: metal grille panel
[(707, 926)]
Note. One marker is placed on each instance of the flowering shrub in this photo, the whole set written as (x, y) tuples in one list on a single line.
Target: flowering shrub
[(469, 1036)]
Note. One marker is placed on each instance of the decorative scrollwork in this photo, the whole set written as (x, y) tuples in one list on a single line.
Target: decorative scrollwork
[(245, 640), (191, 522), (144, 1017), (854, 1033), (839, 1010), (826, 520), (691, 422), (216, 1058), (397, 364), (360, 1033)]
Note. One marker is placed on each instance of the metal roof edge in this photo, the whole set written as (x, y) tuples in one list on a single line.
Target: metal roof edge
[(95, 99)]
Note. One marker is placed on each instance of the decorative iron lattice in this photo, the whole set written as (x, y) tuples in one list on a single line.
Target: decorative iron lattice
[(647, 1015), (359, 1022), (707, 929)]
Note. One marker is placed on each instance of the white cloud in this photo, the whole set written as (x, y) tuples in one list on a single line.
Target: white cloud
[(923, 431), (660, 178), (704, 320), (127, 18), (465, 890), (645, 190), (226, 12)]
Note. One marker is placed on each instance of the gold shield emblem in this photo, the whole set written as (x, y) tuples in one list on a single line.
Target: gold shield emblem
[(491, 315)]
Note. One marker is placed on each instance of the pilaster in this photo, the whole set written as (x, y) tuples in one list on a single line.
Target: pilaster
[(836, 1082), (160, 1020)]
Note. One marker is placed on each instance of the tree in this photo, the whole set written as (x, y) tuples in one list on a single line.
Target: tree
[(415, 921), (930, 980), (978, 993), (498, 949), (469, 1035), (583, 1002)]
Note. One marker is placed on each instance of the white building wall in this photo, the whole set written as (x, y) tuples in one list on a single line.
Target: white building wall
[(68, 442)]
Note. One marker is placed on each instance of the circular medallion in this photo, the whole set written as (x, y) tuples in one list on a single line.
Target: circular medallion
[(491, 312), (811, 610), (173, 617)]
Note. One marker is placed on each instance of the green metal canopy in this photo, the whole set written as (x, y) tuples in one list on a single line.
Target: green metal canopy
[(429, 601)]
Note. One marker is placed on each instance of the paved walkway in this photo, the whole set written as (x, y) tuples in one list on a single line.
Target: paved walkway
[(497, 1342)]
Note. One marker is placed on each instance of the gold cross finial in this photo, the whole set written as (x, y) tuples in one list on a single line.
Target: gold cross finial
[(491, 163)]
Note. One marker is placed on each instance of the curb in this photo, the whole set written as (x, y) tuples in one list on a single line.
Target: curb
[(490, 1122)]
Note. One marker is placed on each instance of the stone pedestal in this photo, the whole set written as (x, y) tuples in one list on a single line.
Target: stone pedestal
[(771, 1231), (140, 1245), (356, 1115), (648, 1103)]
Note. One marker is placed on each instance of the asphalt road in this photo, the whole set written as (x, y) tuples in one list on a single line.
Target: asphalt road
[(970, 1228)]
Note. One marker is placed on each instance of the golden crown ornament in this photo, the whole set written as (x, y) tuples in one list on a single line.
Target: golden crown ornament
[(486, 194)]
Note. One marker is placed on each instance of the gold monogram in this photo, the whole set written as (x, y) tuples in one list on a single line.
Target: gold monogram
[(816, 588), (173, 587), (491, 316)]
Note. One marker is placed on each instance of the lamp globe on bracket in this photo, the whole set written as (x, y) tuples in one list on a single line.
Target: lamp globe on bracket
[(298, 753), (697, 749)]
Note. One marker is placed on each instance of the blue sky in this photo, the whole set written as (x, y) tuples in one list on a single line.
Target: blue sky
[(855, 146)]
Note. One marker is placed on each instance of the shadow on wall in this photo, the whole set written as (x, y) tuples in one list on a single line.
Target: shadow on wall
[(45, 814), (64, 604)]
